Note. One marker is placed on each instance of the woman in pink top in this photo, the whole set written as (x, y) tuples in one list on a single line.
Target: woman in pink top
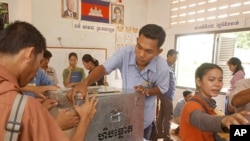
[(238, 73)]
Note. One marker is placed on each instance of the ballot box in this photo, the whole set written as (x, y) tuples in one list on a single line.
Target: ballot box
[(119, 115)]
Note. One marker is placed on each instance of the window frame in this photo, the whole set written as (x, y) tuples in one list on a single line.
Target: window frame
[(214, 56)]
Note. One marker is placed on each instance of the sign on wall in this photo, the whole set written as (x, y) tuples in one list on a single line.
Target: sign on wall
[(220, 25), (69, 9), (4, 13), (95, 10)]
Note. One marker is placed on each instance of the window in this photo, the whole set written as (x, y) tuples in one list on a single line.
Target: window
[(213, 48), (193, 50)]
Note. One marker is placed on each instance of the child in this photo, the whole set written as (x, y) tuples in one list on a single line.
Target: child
[(199, 120)]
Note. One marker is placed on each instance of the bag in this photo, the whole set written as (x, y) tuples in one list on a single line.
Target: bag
[(13, 126)]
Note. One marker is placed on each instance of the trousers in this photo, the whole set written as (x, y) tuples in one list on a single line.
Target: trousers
[(164, 117), (150, 132)]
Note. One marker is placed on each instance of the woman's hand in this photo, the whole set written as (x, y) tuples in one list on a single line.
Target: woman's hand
[(236, 119)]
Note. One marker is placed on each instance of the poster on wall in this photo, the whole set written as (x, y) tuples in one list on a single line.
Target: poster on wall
[(95, 11), (117, 14), (70, 9), (116, 1), (4, 13), (126, 36)]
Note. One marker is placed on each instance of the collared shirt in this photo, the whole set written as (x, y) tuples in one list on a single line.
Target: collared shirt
[(172, 82), (156, 73), (51, 73), (40, 79), (180, 104), (237, 76)]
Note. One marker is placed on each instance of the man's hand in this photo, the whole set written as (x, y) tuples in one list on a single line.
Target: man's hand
[(88, 109), (141, 89), (67, 119), (80, 88), (49, 103), (39, 90)]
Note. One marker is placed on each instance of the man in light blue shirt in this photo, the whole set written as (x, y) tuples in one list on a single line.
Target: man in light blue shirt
[(40, 79), (142, 70), (166, 107), (187, 95)]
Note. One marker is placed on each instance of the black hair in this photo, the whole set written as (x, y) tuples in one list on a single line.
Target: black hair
[(203, 69), (172, 52), (186, 93), (153, 31), (236, 62), (73, 54), (20, 35), (88, 58), (47, 54)]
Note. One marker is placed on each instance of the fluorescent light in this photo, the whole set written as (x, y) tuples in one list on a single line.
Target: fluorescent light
[(234, 14), (201, 11), (191, 13), (183, 15), (201, 19), (183, 7), (174, 9), (235, 5), (222, 16), (201, 3), (246, 12), (211, 18), (211, 9), (223, 7), (210, 1), (192, 5), (246, 3), (181, 22), (191, 21), (173, 23), (175, 1), (174, 16)]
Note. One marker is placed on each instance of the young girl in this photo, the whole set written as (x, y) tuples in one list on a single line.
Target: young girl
[(90, 63), (234, 65), (198, 121), (73, 74)]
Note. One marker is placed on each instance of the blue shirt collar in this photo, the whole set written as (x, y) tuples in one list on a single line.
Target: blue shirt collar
[(151, 66)]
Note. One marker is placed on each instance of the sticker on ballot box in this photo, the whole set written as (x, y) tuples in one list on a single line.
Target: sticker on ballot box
[(239, 132)]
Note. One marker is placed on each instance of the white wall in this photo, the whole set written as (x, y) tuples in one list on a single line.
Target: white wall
[(46, 16), (19, 10), (159, 13)]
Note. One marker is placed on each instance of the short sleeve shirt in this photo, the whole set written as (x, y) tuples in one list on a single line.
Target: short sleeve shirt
[(156, 73)]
